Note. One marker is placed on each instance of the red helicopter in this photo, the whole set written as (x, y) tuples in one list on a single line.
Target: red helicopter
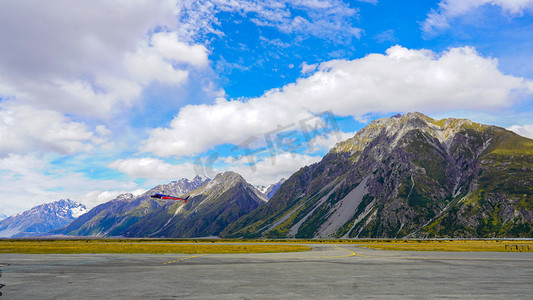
[(163, 196)]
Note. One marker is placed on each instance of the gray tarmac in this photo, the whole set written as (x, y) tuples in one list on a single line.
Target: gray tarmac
[(326, 272)]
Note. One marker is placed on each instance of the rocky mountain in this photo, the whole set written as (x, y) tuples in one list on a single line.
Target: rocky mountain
[(182, 186), (2, 217), (269, 190), (210, 208), (407, 176), (39, 220)]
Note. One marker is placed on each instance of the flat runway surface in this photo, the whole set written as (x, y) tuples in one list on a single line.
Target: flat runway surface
[(326, 272)]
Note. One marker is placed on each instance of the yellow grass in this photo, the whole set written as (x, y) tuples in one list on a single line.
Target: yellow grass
[(137, 246), (201, 246), (453, 245)]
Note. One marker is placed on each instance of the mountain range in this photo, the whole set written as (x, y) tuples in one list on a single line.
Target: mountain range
[(407, 176), (211, 207), (39, 220)]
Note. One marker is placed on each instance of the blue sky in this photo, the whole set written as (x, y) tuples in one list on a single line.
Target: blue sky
[(102, 97)]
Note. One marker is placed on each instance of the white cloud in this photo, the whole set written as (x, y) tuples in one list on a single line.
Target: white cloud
[(169, 46), (156, 61), (199, 127), (30, 180), (450, 9), (406, 80), (26, 129), (401, 80), (90, 58), (94, 198), (146, 67), (308, 69), (265, 171), (523, 130), (323, 143), (153, 168), (271, 170)]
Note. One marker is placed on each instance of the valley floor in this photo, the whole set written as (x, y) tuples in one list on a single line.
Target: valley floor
[(329, 271)]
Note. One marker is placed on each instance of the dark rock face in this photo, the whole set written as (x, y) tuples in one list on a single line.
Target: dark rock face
[(407, 176)]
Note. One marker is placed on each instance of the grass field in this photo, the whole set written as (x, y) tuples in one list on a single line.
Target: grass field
[(453, 245), (204, 246), (137, 246)]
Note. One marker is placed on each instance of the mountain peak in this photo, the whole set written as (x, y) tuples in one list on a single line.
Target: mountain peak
[(212, 205), (397, 126), (228, 173), (199, 178), (180, 187), (228, 176), (221, 182), (407, 176), (41, 219)]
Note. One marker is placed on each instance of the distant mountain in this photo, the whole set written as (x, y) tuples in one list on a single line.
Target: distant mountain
[(2, 217), (41, 219), (182, 186), (210, 208), (111, 218), (269, 190), (407, 176)]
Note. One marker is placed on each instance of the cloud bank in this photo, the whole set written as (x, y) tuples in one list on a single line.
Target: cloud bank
[(400, 80), (64, 64)]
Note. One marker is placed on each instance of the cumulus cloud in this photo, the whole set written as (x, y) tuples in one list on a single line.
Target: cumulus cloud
[(450, 9), (197, 128), (26, 129), (523, 130), (153, 168), (400, 80), (170, 47), (156, 61), (90, 58)]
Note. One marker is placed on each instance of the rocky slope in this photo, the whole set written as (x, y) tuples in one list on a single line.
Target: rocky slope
[(41, 219), (407, 176), (211, 207)]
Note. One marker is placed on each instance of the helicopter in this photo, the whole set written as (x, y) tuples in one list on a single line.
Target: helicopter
[(164, 197)]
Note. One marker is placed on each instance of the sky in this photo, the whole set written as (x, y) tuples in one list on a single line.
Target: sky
[(99, 98)]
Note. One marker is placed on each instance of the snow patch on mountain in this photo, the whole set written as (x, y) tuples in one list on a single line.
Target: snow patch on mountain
[(41, 219), (268, 191)]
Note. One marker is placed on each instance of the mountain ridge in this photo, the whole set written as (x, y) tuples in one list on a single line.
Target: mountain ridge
[(405, 176), (39, 220), (212, 204)]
